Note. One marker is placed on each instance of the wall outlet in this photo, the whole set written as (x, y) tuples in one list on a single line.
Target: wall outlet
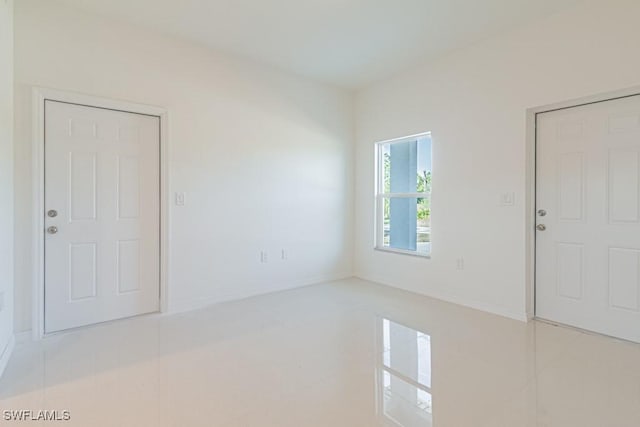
[(180, 199), (283, 255), (460, 264), (264, 257)]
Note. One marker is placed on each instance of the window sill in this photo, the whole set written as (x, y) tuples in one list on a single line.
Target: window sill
[(402, 252)]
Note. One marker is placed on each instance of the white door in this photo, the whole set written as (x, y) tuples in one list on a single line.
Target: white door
[(102, 247), (588, 184)]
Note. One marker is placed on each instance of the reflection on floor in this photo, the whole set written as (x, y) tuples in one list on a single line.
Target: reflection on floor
[(404, 375), (350, 353)]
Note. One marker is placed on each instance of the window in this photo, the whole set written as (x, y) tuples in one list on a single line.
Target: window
[(403, 195)]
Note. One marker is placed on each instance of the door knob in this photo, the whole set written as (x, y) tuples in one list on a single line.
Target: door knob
[(541, 227), (52, 230)]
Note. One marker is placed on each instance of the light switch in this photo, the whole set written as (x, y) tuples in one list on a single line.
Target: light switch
[(180, 199)]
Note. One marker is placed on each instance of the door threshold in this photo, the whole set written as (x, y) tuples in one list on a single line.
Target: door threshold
[(105, 323), (583, 331)]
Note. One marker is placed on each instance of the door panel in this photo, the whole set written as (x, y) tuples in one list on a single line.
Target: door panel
[(102, 179), (570, 268), (588, 183), (83, 268), (82, 186), (623, 185), (624, 268)]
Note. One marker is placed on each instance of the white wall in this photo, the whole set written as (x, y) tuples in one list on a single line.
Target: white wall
[(475, 101), (265, 157), (6, 178)]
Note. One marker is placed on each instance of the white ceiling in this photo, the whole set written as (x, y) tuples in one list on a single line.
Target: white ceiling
[(349, 43)]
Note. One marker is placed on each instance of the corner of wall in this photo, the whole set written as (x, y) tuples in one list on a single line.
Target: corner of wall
[(7, 339)]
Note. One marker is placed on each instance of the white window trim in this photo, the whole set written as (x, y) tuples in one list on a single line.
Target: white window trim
[(380, 195)]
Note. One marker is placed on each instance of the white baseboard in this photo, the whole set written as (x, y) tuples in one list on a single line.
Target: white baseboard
[(24, 336), (184, 305), (455, 299), (6, 353)]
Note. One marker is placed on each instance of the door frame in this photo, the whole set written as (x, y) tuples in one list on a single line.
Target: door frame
[(39, 96), (530, 180)]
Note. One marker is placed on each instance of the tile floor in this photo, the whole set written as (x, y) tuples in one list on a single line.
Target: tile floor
[(349, 353)]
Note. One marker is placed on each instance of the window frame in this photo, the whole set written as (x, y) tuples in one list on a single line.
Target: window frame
[(380, 196)]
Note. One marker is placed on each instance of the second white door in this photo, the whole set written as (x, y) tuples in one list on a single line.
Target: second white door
[(588, 201), (102, 246)]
